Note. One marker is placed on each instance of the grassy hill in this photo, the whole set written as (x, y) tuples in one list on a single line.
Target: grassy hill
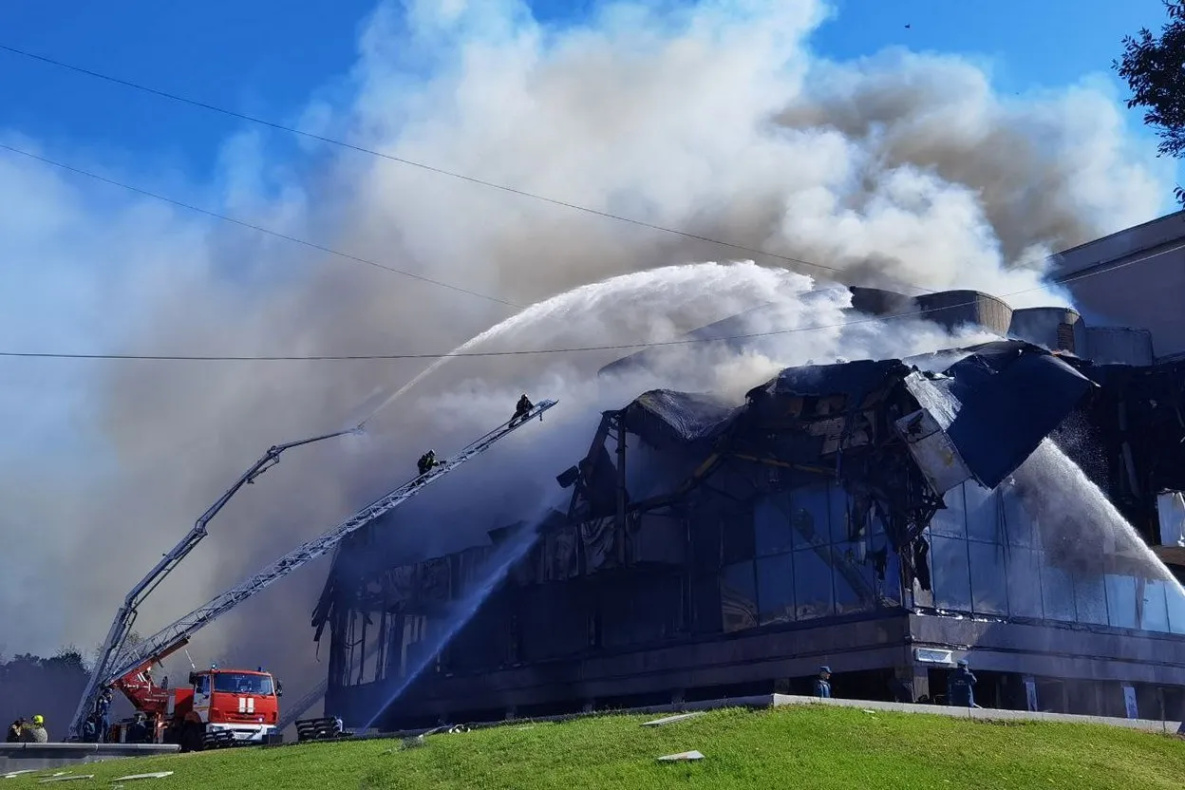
[(799, 748)]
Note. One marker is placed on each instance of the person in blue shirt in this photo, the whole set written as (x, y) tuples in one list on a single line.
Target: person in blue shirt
[(823, 683), (961, 687)]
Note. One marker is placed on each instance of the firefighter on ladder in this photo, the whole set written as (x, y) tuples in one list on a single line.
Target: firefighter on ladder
[(426, 462), (521, 410)]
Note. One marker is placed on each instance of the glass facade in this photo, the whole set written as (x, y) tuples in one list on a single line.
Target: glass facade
[(986, 558), (809, 561)]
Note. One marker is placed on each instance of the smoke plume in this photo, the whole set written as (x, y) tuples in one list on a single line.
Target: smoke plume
[(715, 119)]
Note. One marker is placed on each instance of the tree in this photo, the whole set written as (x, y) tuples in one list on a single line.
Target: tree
[(1154, 69)]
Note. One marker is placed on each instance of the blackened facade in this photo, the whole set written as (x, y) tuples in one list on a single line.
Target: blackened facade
[(838, 517)]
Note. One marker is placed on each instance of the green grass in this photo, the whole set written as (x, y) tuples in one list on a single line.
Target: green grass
[(793, 748)]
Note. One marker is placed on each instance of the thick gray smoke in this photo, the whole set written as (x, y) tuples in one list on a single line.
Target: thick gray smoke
[(713, 119)]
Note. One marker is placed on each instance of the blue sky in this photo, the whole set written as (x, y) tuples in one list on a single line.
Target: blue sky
[(268, 57)]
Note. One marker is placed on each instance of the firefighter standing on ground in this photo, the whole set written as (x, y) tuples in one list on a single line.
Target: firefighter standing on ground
[(823, 683), (961, 687), (36, 733)]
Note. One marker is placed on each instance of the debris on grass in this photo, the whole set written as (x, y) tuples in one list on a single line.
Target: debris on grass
[(22, 772), (156, 775), (681, 757), (672, 719), (65, 778)]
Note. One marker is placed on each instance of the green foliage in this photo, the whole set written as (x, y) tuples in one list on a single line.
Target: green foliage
[(803, 748), (1154, 68)]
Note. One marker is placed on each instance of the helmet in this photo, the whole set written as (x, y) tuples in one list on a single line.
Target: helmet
[(962, 662), (38, 720), (824, 670)]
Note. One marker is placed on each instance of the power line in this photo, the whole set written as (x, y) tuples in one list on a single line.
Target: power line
[(251, 225), (570, 350), (429, 168)]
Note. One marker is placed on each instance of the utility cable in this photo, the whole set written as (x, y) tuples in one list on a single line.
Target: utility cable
[(576, 349), (429, 168), (252, 226)]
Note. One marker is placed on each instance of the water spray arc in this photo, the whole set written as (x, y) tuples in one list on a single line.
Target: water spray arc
[(517, 547)]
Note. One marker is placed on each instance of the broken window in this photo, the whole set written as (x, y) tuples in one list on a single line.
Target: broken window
[(952, 520)]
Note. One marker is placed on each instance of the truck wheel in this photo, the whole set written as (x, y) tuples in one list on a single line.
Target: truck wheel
[(192, 737)]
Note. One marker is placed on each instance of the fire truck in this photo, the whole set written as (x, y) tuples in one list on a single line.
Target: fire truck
[(226, 706), (217, 707)]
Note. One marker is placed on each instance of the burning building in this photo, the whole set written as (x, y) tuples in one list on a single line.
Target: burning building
[(885, 518)]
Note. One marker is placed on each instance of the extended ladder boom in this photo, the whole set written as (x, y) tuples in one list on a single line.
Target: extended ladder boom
[(135, 655), (125, 618)]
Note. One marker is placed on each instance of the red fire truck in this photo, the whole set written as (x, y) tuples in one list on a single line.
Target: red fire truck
[(218, 707)]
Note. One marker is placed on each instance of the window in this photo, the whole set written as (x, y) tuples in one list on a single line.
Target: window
[(1057, 592), (951, 522), (1018, 524), (1175, 599), (1156, 611), (855, 587), (983, 515), (771, 521), (989, 578), (1091, 596), (889, 589), (812, 584), (839, 506), (242, 683), (738, 597), (809, 517), (950, 576), (775, 589), (1121, 601), (737, 536), (1024, 584)]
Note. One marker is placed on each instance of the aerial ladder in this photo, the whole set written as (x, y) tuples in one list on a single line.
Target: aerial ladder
[(118, 658)]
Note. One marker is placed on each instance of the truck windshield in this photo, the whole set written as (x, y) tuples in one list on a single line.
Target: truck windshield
[(235, 683)]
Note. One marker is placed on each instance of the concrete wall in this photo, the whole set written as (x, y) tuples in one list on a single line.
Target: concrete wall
[(1046, 326), (1133, 278), (36, 756), (1109, 345), (955, 308)]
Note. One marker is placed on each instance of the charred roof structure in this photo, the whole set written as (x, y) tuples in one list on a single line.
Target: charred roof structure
[(870, 516)]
